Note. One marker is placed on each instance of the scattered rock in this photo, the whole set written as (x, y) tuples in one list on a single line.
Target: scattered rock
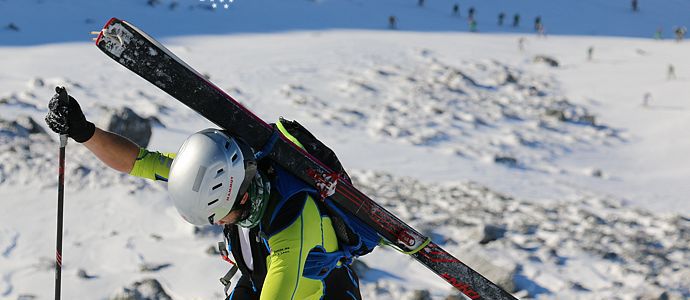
[(556, 113), (420, 295), (212, 250), (149, 267), (669, 295), (491, 233), (22, 127), (126, 122), (578, 287), (547, 60), (81, 273), (510, 78), (201, 231), (36, 83), (147, 289), (596, 173), (506, 160), (28, 124)]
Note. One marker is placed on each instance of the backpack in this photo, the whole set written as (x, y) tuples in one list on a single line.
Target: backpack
[(355, 238)]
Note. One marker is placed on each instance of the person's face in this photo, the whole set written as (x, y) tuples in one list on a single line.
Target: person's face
[(233, 216)]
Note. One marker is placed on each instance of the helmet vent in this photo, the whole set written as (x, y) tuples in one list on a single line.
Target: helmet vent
[(234, 158), (199, 177), (212, 202), (219, 171), (217, 186), (227, 145)]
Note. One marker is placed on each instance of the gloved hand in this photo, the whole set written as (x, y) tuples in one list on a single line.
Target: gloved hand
[(65, 117)]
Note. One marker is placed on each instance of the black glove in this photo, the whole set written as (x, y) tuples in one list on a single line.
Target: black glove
[(65, 117)]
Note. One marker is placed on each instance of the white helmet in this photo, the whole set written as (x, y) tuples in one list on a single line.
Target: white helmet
[(209, 175)]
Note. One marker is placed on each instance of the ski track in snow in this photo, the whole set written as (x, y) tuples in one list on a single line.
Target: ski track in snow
[(7, 251), (7, 282)]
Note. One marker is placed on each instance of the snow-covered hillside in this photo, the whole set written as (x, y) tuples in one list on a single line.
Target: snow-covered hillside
[(556, 182)]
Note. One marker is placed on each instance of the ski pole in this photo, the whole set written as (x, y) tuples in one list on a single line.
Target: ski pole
[(61, 198)]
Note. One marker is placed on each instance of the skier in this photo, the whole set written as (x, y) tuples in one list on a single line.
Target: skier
[(537, 23), (501, 16), (521, 44), (541, 31), (456, 9), (270, 217), (646, 99), (516, 20), (470, 13), (680, 33), (473, 25), (392, 22), (420, 3), (633, 3), (658, 34), (590, 53), (671, 72)]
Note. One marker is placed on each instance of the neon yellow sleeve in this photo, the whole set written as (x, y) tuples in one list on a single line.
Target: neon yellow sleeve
[(289, 250), (152, 165)]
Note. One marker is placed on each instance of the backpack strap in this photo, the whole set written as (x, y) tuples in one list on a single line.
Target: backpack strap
[(269, 144)]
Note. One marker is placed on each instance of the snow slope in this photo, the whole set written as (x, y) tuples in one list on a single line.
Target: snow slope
[(466, 137)]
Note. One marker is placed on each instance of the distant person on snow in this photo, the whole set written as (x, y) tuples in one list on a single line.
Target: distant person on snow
[(392, 22), (273, 220), (420, 3), (671, 72), (470, 13), (590, 53), (680, 33), (658, 34), (537, 23), (456, 9), (501, 16), (646, 99), (516, 20), (473, 25), (634, 3), (541, 31)]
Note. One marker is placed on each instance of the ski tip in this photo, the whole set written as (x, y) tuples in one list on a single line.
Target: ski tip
[(107, 24)]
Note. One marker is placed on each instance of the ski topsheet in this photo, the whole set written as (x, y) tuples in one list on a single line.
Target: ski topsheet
[(146, 57)]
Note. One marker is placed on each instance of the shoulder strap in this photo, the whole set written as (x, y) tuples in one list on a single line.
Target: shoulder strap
[(299, 135)]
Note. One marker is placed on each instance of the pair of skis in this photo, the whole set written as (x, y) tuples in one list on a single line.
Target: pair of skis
[(146, 57)]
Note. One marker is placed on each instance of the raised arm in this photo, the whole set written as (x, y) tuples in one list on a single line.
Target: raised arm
[(65, 115), (114, 150)]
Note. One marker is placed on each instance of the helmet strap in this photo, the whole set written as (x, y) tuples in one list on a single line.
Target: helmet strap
[(253, 210)]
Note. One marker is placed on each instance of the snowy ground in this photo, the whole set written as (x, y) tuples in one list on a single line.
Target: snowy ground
[(464, 133)]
